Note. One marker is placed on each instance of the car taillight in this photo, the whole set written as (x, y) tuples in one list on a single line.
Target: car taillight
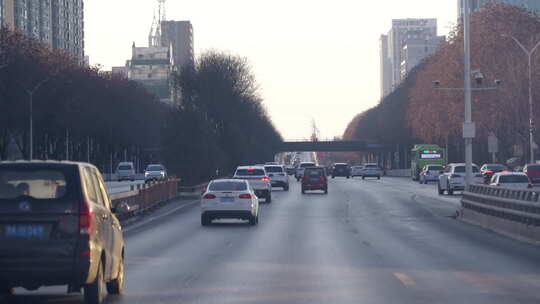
[(265, 179), (85, 218), (529, 186), (245, 196), (209, 196), (489, 171)]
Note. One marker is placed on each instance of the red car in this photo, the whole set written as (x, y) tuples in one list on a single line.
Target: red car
[(533, 172), (315, 178)]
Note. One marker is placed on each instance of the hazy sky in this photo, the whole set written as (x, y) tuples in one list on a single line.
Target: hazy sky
[(314, 59)]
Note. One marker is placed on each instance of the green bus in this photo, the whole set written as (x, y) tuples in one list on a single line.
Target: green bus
[(425, 154)]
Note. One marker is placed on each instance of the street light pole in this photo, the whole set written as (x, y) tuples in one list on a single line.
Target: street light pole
[(31, 116), (468, 126), (529, 54)]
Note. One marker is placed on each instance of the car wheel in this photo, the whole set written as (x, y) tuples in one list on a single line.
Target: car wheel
[(6, 291), (268, 198), (378, 177), (450, 191), (205, 220), (286, 188), (253, 220), (441, 191), (116, 286), (95, 291), (363, 177), (333, 176), (348, 177), (326, 191), (303, 191)]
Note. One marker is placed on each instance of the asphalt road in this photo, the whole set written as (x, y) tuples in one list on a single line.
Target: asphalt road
[(388, 241)]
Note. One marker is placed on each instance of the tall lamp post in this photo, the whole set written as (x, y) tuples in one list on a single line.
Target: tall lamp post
[(30, 93), (529, 54), (469, 129)]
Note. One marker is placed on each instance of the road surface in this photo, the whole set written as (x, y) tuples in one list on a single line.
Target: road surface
[(388, 241)]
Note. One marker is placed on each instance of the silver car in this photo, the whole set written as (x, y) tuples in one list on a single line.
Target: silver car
[(125, 171), (155, 172)]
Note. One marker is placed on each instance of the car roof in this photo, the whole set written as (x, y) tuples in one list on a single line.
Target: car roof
[(510, 173), (281, 166), (228, 180), (125, 163), (249, 167), (307, 162), (340, 164), (370, 164), (460, 164), (45, 163)]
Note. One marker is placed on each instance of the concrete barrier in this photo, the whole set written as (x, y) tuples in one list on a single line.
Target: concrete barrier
[(145, 198), (512, 212)]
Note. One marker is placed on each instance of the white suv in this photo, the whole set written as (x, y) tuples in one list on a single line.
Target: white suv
[(453, 178), (258, 180), (229, 198), (278, 176)]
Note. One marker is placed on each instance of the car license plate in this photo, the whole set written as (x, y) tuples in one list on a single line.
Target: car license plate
[(24, 231), (227, 199)]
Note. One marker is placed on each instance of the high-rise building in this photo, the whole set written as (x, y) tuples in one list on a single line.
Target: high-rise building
[(407, 43), (179, 35), (152, 67), (57, 23), (386, 68), (533, 5)]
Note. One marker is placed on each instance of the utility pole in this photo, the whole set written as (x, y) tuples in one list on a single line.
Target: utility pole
[(31, 115), (468, 127), (529, 54)]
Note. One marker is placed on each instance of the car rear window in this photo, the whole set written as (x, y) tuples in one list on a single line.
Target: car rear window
[(340, 166), (153, 168), (314, 172), (435, 168), (125, 167), (228, 186), (495, 167), (38, 184), (250, 172), (513, 179), (273, 169), (304, 165), (533, 168), (461, 169)]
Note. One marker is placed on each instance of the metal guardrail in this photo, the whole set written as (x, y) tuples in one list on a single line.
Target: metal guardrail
[(522, 206), (145, 198)]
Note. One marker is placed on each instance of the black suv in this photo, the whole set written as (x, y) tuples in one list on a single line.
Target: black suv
[(341, 170), (57, 227)]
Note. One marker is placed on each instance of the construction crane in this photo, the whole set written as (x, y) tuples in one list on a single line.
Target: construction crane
[(154, 38)]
